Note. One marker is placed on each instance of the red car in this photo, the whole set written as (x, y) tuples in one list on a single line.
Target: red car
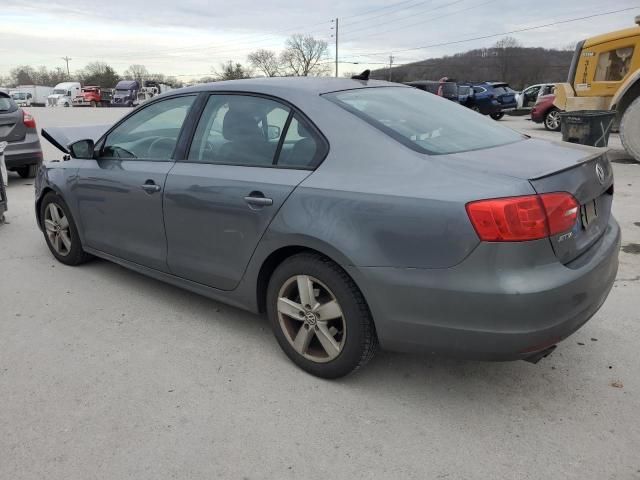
[(544, 111)]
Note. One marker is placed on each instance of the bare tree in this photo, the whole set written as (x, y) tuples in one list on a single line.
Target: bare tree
[(98, 73), (136, 72), (232, 71), (265, 61), (303, 56)]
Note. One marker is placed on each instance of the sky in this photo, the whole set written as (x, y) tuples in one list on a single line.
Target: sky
[(191, 38)]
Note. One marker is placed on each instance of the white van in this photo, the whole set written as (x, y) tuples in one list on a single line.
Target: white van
[(63, 94)]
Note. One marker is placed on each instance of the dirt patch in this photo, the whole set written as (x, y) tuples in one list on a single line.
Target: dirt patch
[(633, 248)]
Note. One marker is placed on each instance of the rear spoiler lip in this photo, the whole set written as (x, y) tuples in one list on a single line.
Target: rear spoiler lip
[(600, 152), (62, 137)]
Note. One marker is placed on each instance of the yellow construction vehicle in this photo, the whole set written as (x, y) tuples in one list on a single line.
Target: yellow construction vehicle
[(605, 75)]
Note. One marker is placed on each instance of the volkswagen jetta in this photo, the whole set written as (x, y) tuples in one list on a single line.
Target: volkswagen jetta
[(352, 212)]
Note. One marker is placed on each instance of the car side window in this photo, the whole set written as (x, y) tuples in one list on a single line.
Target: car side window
[(151, 133), (301, 147), (239, 130), (479, 90)]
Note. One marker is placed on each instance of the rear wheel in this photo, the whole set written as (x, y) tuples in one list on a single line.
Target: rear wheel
[(552, 120), (60, 231), (319, 316), (476, 108), (94, 104), (497, 116), (630, 129), (28, 171)]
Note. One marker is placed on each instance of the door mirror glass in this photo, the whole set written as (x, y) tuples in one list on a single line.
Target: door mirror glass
[(82, 149), (273, 131)]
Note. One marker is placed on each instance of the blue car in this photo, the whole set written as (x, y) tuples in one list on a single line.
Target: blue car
[(487, 98)]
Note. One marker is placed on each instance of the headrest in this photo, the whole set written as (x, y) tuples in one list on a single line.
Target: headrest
[(240, 126), (302, 130)]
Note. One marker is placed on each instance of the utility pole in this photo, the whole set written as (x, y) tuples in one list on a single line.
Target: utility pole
[(390, 65), (67, 60), (336, 48)]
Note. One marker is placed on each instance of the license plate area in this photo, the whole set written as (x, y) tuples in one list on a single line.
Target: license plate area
[(588, 213)]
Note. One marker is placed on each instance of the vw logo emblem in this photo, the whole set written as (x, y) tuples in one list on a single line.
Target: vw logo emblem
[(600, 173), (310, 318)]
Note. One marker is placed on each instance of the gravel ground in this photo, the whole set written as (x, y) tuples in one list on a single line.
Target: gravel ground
[(105, 373)]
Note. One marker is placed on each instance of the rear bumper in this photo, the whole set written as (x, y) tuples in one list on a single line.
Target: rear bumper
[(25, 152), (495, 305)]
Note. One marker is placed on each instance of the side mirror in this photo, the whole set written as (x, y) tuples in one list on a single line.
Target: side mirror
[(82, 149), (273, 132)]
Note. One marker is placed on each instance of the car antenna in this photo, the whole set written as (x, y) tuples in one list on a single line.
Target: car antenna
[(363, 76)]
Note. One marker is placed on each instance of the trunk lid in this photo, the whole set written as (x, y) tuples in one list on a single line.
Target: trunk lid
[(584, 172)]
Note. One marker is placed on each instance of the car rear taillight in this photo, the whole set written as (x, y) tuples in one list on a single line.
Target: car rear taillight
[(518, 219), (28, 120)]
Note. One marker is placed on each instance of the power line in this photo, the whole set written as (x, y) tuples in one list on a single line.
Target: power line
[(520, 30), (421, 22)]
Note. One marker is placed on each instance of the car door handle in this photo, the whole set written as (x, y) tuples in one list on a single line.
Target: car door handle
[(258, 200), (150, 187)]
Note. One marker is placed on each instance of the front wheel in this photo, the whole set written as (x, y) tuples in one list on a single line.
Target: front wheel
[(60, 231), (497, 116), (552, 120), (319, 316)]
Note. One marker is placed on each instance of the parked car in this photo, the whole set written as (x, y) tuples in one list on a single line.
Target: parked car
[(23, 153), (504, 94), (529, 96), (352, 212), (479, 99), (544, 111), (446, 89)]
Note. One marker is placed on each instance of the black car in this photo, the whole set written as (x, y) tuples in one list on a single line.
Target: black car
[(448, 90)]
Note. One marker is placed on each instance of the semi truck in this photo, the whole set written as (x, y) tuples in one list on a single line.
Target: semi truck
[(93, 96), (605, 75), (31, 95), (63, 94), (126, 93)]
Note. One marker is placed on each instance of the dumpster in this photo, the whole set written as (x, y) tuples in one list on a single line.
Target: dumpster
[(3, 182), (587, 127)]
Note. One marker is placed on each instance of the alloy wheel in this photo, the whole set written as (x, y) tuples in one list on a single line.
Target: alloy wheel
[(56, 226), (553, 120), (311, 318)]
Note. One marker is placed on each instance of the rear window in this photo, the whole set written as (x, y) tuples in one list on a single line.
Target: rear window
[(425, 123), (501, 90), (7, 104)]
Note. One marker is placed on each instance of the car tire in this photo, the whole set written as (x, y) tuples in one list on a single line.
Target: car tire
[(61, 225), (629, 126), (94, 104), (552, 120), (339, 320), (497, 116), (476, 109), (28, 171)]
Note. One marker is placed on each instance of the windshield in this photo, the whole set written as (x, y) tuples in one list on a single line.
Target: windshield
[(120, 91), (426, 123), (19, 96), (59, 91)]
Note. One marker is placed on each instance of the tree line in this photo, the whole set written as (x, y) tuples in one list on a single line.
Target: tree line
[(507, 61)]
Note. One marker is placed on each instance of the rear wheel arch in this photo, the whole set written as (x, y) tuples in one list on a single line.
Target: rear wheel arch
[(274, 259)]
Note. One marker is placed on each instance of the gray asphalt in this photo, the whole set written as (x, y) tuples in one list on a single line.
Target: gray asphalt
[(107, 374)]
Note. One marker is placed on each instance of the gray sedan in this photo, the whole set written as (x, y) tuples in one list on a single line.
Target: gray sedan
[(352, 212), (18, 128)]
